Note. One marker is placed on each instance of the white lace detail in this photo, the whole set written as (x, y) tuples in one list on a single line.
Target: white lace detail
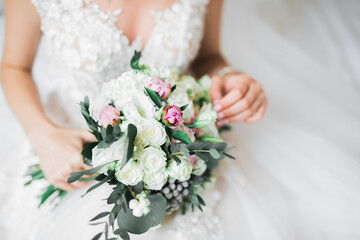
[(89, 49)]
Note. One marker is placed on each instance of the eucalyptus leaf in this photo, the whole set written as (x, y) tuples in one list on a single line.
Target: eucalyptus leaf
[(74, 176), (97, 236), (177, 160), (215, 153), (100, 215), (138, 225)]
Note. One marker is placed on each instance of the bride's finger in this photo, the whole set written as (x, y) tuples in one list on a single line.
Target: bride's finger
[(244, 108), (229, 99), (64, 186), (259, 114)]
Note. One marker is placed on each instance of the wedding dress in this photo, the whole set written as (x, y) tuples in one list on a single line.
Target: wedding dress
[(287, 182)]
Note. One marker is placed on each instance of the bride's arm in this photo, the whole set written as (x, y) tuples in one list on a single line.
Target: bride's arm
[(58, 149), (237, 97)]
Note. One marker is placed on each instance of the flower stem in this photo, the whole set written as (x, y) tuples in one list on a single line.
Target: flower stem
[(132, 193)]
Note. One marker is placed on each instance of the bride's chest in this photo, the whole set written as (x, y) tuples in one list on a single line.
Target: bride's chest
[(92, 40)]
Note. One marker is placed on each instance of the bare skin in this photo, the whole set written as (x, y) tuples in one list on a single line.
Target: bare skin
[(235, 95)]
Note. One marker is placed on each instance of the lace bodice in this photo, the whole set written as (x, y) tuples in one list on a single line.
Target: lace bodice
[(88, 48)]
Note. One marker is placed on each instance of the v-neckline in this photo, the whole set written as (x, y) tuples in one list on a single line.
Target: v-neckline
[(137, 40)]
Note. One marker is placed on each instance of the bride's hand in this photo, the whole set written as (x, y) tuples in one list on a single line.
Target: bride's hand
[(238, 98), (59, 152)]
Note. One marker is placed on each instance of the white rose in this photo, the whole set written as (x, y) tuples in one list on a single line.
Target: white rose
[(155, 180), (200, 167), (131, 174), (138, 107), (101, 156), (188, 113), (150, 132), (209, 130), (182, 171), (152, 158)]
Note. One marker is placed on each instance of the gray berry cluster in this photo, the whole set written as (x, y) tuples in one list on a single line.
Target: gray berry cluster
[(174, 191)]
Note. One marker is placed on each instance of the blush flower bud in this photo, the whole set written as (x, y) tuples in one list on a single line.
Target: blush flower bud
[(172, 116), (109, 116), (160, 86)]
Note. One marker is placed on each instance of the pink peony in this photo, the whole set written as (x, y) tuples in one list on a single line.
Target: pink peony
[(192, 159), (160, 86), (109, 116), (189, 131), (172, 116)]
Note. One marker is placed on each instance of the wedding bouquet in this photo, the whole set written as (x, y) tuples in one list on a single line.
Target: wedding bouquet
[(157, 143)]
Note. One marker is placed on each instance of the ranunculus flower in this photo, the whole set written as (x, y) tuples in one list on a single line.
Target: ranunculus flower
[(109, 116), (160, 86), (180, 171), (131, 174), (172, 115)]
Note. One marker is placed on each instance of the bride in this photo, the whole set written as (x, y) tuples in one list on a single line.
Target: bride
[(293, 195)]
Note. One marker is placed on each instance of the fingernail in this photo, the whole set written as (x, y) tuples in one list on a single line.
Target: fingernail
[(220, 115), (225, 121), (216, 101), (217, 107)]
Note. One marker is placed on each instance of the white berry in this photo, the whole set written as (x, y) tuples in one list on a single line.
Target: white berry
[(137, 212), (133, 204)]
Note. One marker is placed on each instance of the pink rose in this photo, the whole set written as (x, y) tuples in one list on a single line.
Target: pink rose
[(160, 86), (109, 116), (172, 116)]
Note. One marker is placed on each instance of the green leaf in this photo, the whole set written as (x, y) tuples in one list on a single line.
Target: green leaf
[(201, 201), (97, 236), (74, 176), (98, 184), (210, 139), (215, 153), (100, 215), (123, 234), (183, 108), (129, 146), (138, 188), (229, 156), (229, 149), (87, 152), (134, 63), (139, 225), (199, 146), (154, 97), (179, 135), (177, 160), (219, 146), (173, 88)]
